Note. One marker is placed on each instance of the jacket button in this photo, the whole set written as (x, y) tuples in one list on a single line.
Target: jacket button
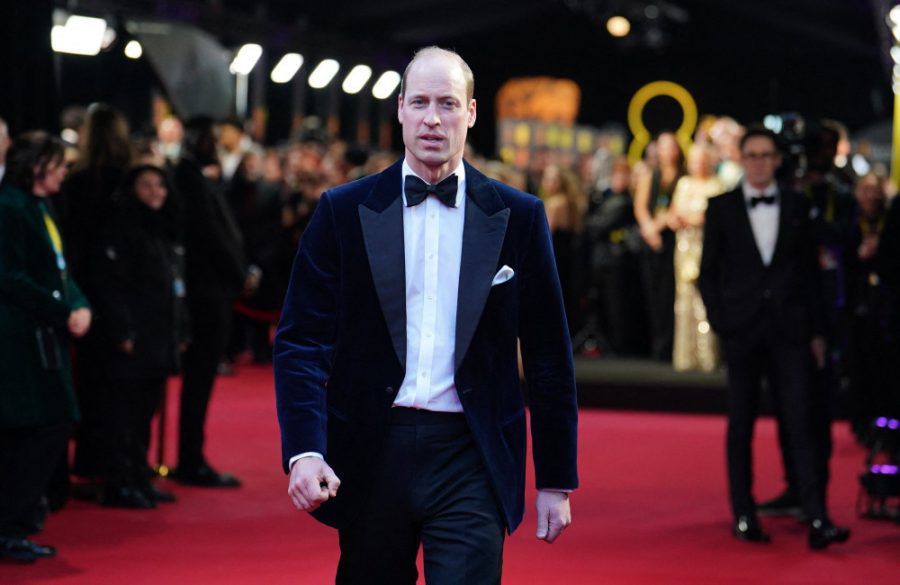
[(767, 294), (56, 295), (389, 390)]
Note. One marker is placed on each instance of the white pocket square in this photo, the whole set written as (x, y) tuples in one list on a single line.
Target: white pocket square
[(503, 275)]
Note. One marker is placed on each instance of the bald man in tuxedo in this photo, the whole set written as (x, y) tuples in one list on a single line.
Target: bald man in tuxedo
[(402, 420)]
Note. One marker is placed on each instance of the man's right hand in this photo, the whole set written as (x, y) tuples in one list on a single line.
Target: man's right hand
[(312, 482)]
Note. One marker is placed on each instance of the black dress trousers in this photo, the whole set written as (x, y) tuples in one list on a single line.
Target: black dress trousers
[(431, 488), (750, 356), (28, 458), (210, 326)]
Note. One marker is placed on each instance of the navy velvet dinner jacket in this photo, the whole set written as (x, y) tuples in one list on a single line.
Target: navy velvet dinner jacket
[(340, 348)]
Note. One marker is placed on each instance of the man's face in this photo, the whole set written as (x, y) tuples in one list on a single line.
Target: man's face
[(761, 159), (436, 115), (229, 137), (171, 131)]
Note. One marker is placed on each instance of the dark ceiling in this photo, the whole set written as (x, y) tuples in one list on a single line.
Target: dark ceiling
[(822, 58)]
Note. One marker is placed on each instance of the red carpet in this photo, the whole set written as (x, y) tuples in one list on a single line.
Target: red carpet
[(652, 509)]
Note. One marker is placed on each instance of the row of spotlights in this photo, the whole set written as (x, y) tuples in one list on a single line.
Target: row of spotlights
[(288, 66), (893, 22), (85, 35)]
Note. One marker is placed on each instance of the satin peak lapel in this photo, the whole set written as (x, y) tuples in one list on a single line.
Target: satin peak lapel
[(381, 218), (483, 234), (785, 231)]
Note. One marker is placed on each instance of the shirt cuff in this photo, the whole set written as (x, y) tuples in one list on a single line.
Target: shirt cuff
[(301, 456), (557, 490)]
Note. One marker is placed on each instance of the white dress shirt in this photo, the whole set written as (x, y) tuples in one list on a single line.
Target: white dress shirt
[(764, 220), (432, 243)]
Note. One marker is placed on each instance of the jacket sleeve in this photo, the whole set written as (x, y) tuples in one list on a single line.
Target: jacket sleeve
[(616, 214), (16, 285), (809, 249), (547, 360), (710, 265), (305, 338)]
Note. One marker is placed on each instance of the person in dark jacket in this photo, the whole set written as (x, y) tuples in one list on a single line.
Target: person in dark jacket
[(41, 307), (138, 265), (614, 284), (256, 203), (867, 343), (86, 201), (216, 275)]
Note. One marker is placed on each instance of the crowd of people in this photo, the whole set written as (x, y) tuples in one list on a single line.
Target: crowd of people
[(635, 266), (171, 254)]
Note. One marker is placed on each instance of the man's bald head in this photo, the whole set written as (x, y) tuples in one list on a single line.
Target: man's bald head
[(439, 52)]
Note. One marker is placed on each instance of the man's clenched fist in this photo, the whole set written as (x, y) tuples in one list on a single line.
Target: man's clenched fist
[(312, 482)]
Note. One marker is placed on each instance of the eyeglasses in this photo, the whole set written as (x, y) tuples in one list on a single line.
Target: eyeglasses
[(754, 156)]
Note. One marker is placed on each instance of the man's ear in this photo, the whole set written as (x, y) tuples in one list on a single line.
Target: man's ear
[(473, 113)]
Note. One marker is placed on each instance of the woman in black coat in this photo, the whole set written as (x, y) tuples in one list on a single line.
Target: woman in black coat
[(41, 308), (138, 276)]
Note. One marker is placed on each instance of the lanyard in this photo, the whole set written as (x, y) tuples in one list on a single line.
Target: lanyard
[(866, 227), (55, 239), (829, 201)]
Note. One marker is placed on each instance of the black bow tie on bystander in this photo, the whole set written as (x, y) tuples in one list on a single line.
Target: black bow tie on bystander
[(418, 190), (762, 199)]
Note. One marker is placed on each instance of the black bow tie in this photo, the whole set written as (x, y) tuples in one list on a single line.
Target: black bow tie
[(762, 199), (418, 190)]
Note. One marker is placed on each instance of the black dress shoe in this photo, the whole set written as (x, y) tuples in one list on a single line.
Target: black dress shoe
[(823, 532), (747, 528), (124, 496), (41, 550), (785, 504), (157, 495), (205, 476), (17, 550)]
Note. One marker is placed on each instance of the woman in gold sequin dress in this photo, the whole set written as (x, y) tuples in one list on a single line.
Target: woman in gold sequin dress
[(695, 345)]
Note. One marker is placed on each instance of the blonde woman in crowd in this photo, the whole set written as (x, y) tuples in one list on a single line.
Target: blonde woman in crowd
[(695, 346)]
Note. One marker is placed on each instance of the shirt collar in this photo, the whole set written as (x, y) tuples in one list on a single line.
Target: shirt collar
[(459, 171), (750, 192)]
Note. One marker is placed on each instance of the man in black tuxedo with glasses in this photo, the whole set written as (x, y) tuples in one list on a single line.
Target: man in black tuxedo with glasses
[(759, 283)]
